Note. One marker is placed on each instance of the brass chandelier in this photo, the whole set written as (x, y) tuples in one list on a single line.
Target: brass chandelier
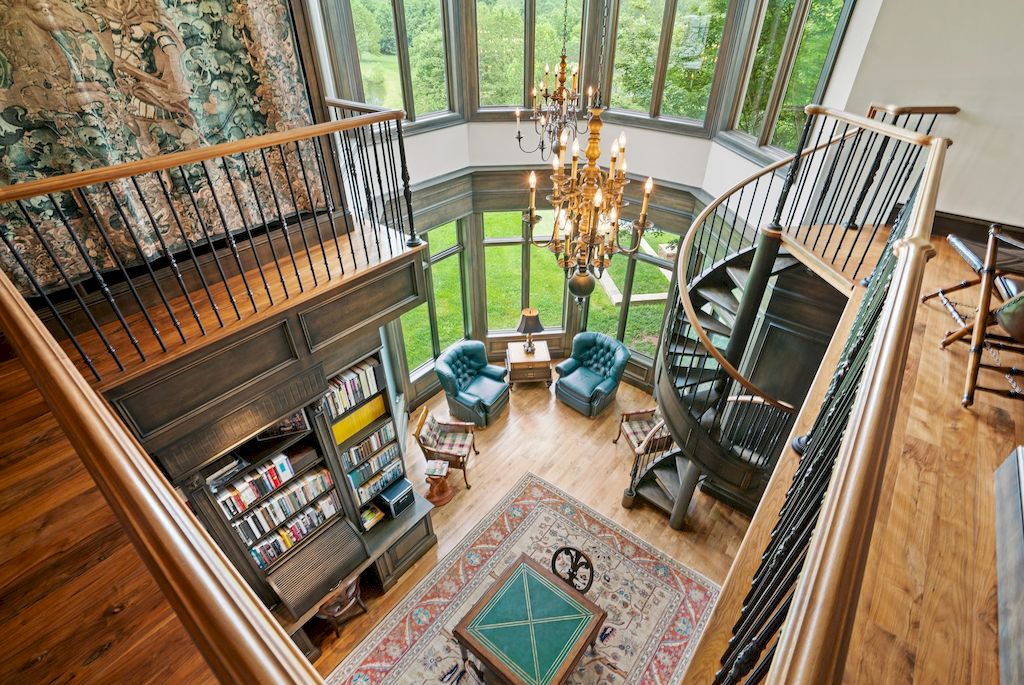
[(555, 105), (588, 204)]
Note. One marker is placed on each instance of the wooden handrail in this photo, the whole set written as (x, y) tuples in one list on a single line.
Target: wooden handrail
[(813, 645), (339, 103), (236, 634), (900, 110), (81, 179)]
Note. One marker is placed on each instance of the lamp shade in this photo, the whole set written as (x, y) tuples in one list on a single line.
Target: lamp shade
[(529, 322)]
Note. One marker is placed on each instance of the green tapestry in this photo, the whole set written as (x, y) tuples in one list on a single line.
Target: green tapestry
[(90, 83)]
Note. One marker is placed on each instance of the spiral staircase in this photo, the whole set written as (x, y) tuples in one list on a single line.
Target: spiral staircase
[(828, 209)]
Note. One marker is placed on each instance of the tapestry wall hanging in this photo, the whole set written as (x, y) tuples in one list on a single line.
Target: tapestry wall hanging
[(92, 83)]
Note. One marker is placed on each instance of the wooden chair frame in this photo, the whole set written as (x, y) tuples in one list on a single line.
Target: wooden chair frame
[(983, 321), (650, 444), (454, 459)]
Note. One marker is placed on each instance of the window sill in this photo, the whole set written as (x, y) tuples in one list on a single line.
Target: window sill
[(638, 120), (432, 122), (746, 147)]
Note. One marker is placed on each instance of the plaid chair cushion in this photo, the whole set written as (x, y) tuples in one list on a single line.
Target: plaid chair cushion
[(457, 443), (431, 433), (636, 431)]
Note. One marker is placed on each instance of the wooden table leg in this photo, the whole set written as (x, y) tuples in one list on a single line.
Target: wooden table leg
[(440, 492)]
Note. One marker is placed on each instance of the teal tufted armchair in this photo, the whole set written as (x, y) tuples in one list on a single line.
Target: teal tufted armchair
[(476, 390), (589, 378)]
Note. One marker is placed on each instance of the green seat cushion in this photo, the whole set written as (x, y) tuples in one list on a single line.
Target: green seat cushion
[(487, 389), (582, 382)]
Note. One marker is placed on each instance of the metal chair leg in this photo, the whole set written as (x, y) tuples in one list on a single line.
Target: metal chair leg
[(982, 320)]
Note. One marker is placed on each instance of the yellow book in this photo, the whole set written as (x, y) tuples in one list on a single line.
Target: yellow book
[(359, 419)]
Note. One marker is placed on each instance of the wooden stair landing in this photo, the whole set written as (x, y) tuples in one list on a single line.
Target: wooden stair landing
[(76, 602), (308, 274)]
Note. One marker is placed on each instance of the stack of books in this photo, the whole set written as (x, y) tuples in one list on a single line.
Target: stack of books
[(373, 442), (351, 387), (437, 468), (287, 536), (236, 497), (360, 475), (375, 485), (273, 512), (370, 516)]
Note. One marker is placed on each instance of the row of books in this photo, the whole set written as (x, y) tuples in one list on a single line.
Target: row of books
[(370, 516), (237, 496), (359, 476), (286, 537), (351, 387), (276, 510), (375, 485), (371, 444)]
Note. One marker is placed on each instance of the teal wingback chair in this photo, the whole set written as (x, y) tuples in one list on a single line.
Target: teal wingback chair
[(476, 390), (589, 378)]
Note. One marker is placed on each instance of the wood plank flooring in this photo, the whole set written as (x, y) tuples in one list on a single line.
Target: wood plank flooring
[(76, 602), (541, 435)]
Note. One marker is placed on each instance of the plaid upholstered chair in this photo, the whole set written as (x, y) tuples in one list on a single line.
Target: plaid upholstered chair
[(645, 432), (452, 442)]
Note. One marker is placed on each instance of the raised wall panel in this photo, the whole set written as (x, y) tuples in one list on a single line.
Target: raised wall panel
[(177, 393), (373, 302)]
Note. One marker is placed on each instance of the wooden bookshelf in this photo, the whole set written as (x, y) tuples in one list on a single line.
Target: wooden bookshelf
[(301, 577)]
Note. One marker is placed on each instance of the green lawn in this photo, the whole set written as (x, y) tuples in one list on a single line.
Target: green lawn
[(382, 84)]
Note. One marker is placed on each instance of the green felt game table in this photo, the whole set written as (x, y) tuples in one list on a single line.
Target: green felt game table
[(530, 627)]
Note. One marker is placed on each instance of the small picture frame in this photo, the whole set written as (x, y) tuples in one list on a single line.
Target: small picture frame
[(296, 423)]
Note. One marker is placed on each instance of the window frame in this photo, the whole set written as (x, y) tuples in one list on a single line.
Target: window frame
[(525, 243), (343, 52), (457, 252), (759, 149)]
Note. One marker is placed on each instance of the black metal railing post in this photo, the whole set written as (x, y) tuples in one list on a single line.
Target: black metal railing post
[(414, 240)]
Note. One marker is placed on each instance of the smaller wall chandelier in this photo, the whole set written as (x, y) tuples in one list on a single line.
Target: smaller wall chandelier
[(588, 206), (556, 109)]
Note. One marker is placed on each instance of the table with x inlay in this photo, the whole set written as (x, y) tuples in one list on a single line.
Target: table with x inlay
[(529, 628)]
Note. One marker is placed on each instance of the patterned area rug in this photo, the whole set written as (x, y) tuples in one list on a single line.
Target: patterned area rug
[(657, 608)]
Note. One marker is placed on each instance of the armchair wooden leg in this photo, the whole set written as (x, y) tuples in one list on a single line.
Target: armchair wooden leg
[(465, 478)]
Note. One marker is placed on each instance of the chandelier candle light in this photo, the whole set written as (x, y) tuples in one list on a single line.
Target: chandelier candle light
[(588, 206)]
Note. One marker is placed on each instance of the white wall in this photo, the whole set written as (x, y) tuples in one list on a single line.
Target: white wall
[(968, 54)]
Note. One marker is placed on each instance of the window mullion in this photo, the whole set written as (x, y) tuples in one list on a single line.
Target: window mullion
[(661, 64), (627, 295), (435, 339), (529, 50), (789, 50), (402, 46)]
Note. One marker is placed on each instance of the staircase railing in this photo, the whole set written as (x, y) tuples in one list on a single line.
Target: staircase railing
[(791, 609), (236, 634), (127, 262), (830, 206)]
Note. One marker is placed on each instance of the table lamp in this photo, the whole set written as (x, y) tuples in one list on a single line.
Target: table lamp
[(529, 323)]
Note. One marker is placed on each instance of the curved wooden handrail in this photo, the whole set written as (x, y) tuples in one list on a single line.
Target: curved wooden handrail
[(900, 110), (81, 179), (681, 276), (236, 634), (814, 642)]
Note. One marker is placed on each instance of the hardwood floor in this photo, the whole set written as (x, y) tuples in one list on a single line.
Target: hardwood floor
[(76, 602), (541, 435)]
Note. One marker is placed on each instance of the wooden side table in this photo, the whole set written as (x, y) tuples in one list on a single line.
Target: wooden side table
[(528, 368)]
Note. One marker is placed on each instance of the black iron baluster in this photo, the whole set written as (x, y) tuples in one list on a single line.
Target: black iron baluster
[(837, 189), (168, 255), (298, 214), (368, 169), (263, 219), (280, 216), (188, 244), (70, 285), (228, 235), (120, 266), (247, 228), (97, 276), (312, 207), (187, 185), (414, 239), (41, 292), (385, 198), (396, 197), (340, 206), (144, 258)]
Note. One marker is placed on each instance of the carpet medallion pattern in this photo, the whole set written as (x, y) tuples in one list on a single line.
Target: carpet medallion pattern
[(657, 608)]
